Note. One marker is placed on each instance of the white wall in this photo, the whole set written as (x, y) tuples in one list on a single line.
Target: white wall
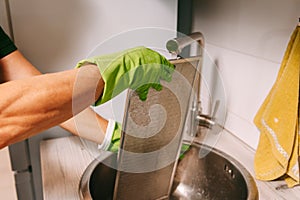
[(246, 40), (56, 34)]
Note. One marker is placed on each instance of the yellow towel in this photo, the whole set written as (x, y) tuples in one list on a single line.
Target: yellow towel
[(277, 119)]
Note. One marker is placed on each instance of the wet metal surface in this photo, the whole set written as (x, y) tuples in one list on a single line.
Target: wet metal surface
[(216, 176)]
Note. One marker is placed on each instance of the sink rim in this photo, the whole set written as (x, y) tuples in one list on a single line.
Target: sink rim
[(84, 187)]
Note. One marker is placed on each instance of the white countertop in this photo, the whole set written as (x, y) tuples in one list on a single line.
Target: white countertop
[(63, 161)]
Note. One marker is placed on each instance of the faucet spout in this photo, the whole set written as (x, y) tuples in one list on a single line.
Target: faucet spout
[(176, 45)]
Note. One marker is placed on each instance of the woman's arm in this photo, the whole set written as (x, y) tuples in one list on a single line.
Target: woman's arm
[(31, 105)]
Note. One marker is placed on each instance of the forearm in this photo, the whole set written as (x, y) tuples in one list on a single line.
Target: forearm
[(88, 125), (15, 67), (38, 103)]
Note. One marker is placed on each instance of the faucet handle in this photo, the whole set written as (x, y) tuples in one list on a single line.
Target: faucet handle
[(208, 121), (216, 107)]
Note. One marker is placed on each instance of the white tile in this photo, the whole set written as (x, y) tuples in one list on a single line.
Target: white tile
[(251, 27), (247, 40), (247, 81)]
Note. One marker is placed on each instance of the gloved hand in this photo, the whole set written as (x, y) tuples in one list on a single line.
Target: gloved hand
[(138, 68)]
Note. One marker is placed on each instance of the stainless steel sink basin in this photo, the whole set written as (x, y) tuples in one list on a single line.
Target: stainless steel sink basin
[(216, 176)]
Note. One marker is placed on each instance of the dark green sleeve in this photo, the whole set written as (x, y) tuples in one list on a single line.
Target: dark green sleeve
[(6, 45)]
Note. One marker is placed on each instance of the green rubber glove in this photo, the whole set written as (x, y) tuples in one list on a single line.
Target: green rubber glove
[(138, 68), (115, 140)]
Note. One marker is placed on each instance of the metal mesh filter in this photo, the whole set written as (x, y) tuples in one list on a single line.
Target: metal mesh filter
[(151, 137)]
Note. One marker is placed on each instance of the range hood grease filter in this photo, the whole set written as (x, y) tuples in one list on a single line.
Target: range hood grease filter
[(151, 136)]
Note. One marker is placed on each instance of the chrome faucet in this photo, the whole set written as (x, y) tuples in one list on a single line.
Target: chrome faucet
[(197, 118)]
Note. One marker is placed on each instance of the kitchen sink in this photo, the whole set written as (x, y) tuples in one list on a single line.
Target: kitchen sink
[(215, 176)]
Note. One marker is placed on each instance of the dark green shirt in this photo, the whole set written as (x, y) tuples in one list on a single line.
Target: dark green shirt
[(6, 45)]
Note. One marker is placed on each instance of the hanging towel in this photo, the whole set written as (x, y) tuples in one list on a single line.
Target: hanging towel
[(277, 119)]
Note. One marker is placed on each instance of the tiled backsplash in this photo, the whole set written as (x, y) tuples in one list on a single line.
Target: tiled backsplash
[(246, 40)]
